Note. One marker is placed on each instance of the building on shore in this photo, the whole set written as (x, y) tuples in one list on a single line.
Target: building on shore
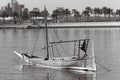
[(15, 6), (8, 10)]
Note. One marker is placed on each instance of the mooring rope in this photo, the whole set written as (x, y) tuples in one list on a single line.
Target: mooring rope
[(102, 66)]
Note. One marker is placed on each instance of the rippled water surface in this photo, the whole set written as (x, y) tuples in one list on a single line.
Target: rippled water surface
[(107, 52)]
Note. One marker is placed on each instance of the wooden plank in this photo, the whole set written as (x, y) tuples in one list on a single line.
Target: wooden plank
[(68, 41)]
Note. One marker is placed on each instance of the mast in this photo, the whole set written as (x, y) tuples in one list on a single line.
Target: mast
[(79, 46), (46, 28)]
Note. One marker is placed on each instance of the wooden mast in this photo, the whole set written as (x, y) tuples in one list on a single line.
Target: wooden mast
[(45, 16), (79, 46)]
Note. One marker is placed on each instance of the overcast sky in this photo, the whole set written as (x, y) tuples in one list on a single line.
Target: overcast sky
[(71, 4)]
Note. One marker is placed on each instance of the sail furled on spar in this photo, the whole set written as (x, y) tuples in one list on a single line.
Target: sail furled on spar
[(85, 45)]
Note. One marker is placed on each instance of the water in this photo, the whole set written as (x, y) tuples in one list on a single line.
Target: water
[(107, 51)]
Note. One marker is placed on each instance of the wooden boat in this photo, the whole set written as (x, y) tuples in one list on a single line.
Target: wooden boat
[(71, 62), (62, 62)]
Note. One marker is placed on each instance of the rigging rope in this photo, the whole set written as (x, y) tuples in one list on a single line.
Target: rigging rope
[(35, 43), (60, 44), (74, 48), (36, 40), (55, 45)]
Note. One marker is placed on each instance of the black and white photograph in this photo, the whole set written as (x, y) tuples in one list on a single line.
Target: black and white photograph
[(59, 39)]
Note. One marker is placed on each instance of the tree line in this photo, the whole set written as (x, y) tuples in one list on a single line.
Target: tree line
[(4, 14), (67, 15), (88, 14)]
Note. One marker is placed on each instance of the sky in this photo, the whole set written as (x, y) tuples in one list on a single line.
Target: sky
[(70, 4)]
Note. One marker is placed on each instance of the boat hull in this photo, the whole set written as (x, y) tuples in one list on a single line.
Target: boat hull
[(59, 62), (54, 63), (66, 64)]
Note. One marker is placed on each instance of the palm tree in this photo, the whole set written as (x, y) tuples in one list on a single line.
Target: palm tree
[(62, 14), (104, 11), (109, 12), (4, 14), (89, 9), (42, 13), (86, 14), (95, 11), (98, 12), (67, 13), (76, 14), (34, 14), (55, 14), (15, 14), (118, 13)]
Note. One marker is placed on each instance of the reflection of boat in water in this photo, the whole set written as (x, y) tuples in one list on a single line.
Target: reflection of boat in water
[(81, 58), (56, 74)]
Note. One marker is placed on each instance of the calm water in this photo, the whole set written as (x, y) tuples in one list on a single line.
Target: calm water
[(107, 52)]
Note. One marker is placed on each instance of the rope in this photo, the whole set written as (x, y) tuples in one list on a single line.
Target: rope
[(74, 48), (35, 42), (60, 44), (102, 66), (58, 51), (55, 45), (53, 50)]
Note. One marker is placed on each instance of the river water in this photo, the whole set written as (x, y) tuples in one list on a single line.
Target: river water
[(107, 52)]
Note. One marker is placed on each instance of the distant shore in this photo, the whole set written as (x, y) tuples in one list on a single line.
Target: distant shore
[(84, 25), (64, 25), (15, 26)]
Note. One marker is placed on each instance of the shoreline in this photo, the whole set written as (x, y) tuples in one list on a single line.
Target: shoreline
[(65, 25)]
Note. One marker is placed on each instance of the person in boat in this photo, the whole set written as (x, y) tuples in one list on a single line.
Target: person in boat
[(29, 56), (46, 58)]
